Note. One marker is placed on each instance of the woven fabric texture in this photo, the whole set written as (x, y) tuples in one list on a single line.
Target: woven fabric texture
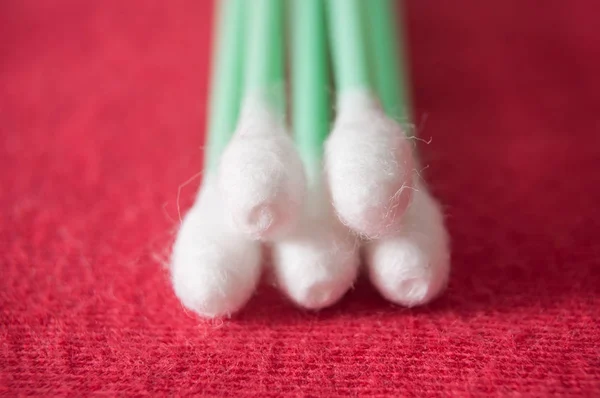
[(102, 109)]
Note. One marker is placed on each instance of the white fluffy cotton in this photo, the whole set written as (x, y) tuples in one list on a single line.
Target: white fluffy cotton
[(411, 268), (317, 263), (261, 175), (214, 269), (369, 166)]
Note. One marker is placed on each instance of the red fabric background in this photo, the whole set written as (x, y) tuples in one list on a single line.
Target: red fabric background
[(101, 113)]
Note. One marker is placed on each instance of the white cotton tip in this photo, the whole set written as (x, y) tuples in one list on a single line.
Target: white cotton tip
[(214, 269), (411, 268), (370, 167), (317, 263), (261, 175)]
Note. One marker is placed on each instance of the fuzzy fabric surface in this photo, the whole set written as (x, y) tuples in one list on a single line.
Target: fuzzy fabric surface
[(102, 109)]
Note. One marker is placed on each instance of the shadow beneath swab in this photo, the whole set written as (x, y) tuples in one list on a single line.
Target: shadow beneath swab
[(271, 307)]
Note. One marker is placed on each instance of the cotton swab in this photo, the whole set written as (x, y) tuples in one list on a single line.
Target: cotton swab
[(368, 158), (261, 175), (318, 261), (214, 269), (410, 267), (390, 78)]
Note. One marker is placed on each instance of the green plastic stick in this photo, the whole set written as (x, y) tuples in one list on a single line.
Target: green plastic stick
[(226, 79), (265, 74), (310, 105), (349, 46), (388, 59)]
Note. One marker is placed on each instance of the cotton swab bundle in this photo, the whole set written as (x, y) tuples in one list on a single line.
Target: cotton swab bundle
[(256, 184), (318, 261), (368, 158), (261, 175), (214, 269), (411, 266)]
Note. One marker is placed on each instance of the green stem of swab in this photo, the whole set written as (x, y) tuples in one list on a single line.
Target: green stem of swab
[(311, 108), (388, 58), (349, 45), (226, 79), (265, 74)]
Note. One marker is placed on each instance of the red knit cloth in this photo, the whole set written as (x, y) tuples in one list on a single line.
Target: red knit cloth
[(102, 108)]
